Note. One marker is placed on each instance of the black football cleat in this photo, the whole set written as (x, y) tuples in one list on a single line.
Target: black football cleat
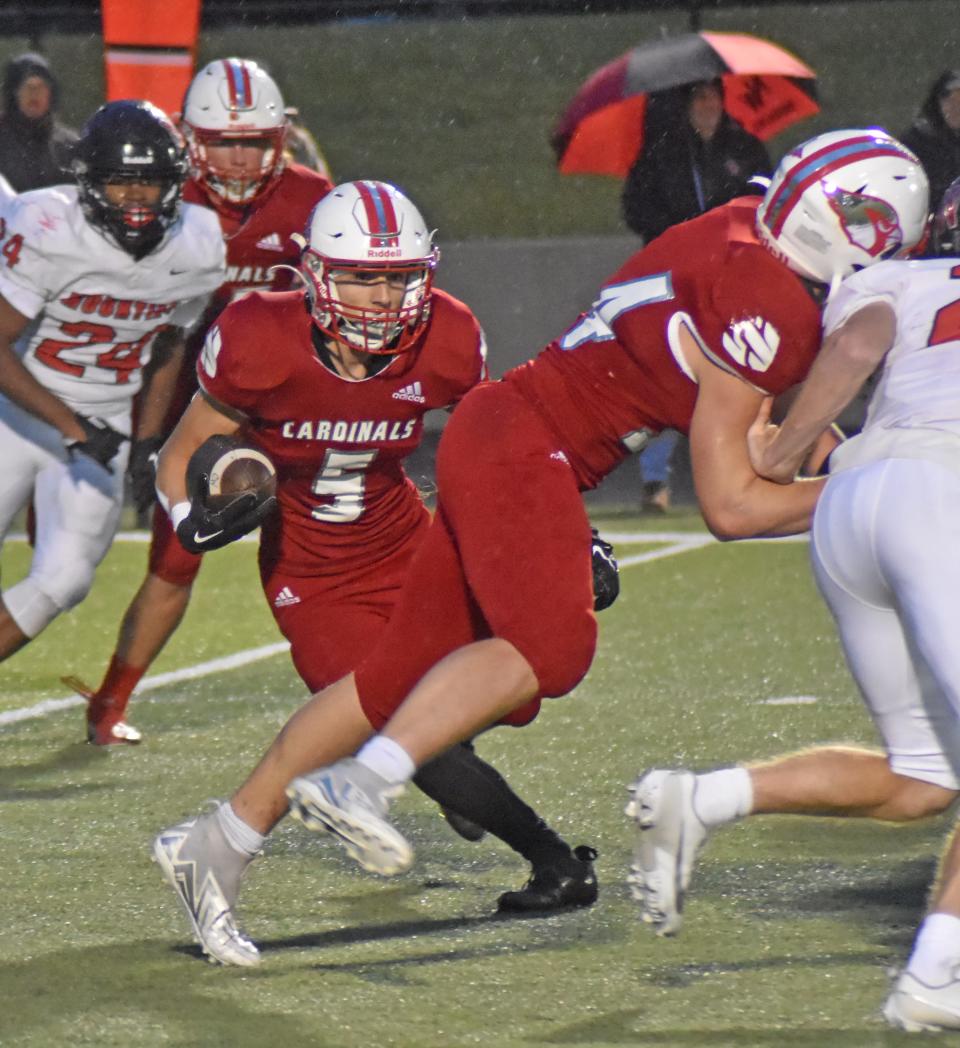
[(558, 885)]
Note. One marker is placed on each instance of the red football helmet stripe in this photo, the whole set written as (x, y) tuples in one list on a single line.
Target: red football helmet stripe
[(381, 216), (238, 81)]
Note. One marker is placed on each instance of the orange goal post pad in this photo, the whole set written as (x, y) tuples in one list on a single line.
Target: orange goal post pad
[(149, 49)]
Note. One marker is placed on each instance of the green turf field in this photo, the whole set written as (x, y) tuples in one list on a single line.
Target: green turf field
[(791, 924), (459, 111)]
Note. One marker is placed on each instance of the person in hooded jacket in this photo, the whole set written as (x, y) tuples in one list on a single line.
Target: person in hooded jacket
[(34, 145), (934, 134), (695, 157)]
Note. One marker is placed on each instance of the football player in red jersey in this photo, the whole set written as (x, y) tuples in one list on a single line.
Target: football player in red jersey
[(496, 611), (235, 127), (337, 405)]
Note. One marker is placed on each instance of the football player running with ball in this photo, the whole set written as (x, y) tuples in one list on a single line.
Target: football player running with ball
[(496, 609), (97, 283), (333, 384), (234, 123), (886, 557)]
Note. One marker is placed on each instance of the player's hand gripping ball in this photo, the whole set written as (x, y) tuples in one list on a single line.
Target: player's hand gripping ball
[(232, 489)]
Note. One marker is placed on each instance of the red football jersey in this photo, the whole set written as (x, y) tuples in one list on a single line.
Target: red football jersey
[(338, 445), (619, 373), (262, 238)]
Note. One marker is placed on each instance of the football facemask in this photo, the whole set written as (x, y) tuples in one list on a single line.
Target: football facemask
[(368, 329), (946, 223)]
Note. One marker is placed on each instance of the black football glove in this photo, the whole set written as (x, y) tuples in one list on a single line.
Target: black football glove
[(101, 441), (142, 471), (202, 529), (606, 574)]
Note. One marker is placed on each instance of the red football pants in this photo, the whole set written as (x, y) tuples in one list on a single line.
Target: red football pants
[(333, 626), (507, 555)]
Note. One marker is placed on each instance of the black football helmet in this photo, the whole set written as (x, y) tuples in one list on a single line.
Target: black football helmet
[(946, 223), (130, 141)]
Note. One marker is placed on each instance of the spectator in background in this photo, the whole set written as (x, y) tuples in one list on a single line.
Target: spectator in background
[(34, 146), (695, 157), (934, 134), (655, 471)]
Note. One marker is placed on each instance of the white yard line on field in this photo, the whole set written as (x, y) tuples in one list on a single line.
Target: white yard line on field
[(676, 542), (158, 680)]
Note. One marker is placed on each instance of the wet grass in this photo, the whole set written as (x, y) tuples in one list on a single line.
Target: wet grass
[(791, 925)]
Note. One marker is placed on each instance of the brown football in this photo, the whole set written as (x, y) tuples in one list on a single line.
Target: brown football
[(239, 470)]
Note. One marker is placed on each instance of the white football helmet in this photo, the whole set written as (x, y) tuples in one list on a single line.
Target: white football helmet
[(843, 201), (234, 100), (368, 226)]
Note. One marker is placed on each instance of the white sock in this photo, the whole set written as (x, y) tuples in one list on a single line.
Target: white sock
[(240, 836), (723, 796), (936, 951), (388, 759)]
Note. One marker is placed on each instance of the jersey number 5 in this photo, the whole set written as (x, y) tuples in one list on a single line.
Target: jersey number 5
[(341, 479)]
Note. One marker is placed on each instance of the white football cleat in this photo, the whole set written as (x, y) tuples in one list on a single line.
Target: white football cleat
[(351, 801), (913, 1006), (204, 871), (669, 836)]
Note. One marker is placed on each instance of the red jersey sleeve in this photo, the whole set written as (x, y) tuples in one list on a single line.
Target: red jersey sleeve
[(761, 322), (455, 346), (236, 364)]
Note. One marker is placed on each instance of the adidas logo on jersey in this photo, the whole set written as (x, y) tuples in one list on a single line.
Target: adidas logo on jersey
[(412, 392), (285, 598), (271, 243)]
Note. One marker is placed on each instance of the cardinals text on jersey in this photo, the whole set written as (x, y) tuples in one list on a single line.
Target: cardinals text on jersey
[(338, 445)]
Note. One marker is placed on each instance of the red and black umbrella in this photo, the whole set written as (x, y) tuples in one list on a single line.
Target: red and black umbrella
[(766, 89)]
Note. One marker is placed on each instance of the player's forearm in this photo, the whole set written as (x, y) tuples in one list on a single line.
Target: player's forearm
[(848, 357), (200, 421), (23, 389), (172, 472), (161, 383), (763, 509)]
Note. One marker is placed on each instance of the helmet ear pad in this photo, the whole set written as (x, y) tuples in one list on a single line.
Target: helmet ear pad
[(129, 141), (844, 201)]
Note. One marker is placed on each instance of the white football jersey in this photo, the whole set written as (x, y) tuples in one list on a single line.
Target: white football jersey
[(915, 408), (95, 311)]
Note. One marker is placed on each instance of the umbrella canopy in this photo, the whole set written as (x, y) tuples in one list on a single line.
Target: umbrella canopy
[(766, 89)]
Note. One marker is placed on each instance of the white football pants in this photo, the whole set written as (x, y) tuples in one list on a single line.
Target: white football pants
[(886, 555), (77, 508)]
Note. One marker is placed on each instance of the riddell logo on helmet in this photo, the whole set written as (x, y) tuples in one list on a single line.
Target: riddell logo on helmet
[(384, 252)]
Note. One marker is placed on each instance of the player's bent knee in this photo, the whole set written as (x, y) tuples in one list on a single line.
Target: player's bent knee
[(30, 608), (67, 584), (559, 668)]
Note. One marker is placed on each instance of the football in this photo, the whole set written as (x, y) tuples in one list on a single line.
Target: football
[(223, 468)]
